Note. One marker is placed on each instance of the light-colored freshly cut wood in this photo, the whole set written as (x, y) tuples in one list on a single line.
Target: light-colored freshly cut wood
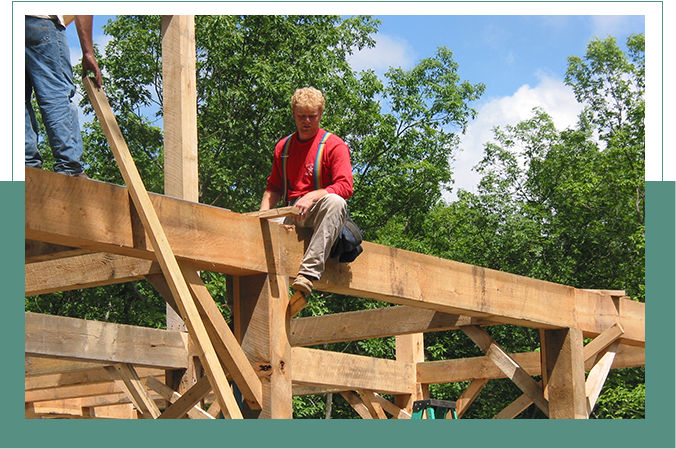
[(508, 365), (597, 376), (127, 379), (317, 367), (357, 404), (182, 404), (468, 396), (163, 250), (382, 273)]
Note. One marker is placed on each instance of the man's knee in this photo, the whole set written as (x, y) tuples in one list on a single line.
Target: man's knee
[(335, 204)]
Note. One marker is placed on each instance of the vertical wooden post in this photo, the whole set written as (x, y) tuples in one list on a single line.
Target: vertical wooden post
[(179, 102), (411, 349), (563, 370), (264, 325), (179, 94)]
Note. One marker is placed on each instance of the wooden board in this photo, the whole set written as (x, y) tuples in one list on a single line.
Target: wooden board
[(49, 335), (162, 248), (207, 236), (314, 366)]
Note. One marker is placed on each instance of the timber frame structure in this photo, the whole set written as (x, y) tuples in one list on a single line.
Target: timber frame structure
[(83, 233)]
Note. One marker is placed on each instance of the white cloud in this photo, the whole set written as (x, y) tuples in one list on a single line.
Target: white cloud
[(604, 26), (554, 97), (388, 52)]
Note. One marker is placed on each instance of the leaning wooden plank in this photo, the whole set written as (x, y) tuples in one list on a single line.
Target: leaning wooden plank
[(372, 404), (357, 404), (228, 348), (129, 382), (314, 366), (396, 412), (468, 396), (49, 335), (381, 273), (597, 376), (163, 250), (508, 365), (516, 407), (182, 404), (600, 343)]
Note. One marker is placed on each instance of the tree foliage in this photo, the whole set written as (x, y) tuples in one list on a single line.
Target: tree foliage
[(562, 205)]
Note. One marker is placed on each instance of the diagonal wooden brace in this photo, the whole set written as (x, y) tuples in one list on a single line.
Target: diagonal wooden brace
[(160, 244)]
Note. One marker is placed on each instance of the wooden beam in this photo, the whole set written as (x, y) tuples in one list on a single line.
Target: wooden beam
[(468, 396), (600, 343), (470, 368), (71, 391), (597, 376), (40, 366), (357, 404), (563, 363), (264, 322), (227, 347), (374, 323), (162, 248), (182, 404), (275, 213), (85, 271), (79, 378), (40, 251), (179, 95), (392, 409), (508, 365), (516, 407), (48, 335), (410, 349), (128, 380), (314, 366), (209, 235), (372, 404), (631, 357)]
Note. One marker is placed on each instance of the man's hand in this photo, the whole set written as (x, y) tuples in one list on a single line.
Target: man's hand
[(305, 203)]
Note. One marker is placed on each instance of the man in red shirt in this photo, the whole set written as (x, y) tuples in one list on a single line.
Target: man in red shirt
[(317, 188)]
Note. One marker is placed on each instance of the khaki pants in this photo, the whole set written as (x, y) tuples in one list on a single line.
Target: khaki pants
[(326, 218)]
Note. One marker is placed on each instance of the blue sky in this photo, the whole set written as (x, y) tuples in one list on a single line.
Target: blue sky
[(520, 58)]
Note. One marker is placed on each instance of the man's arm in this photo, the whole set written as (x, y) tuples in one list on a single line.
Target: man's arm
[(270, 200), (84, 33)]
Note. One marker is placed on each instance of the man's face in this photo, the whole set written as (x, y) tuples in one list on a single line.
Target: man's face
[(307, 122)]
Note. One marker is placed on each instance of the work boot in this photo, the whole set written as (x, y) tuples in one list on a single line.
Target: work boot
[(302, 284)]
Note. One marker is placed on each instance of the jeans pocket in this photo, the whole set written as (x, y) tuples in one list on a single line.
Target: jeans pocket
[(37, 31)]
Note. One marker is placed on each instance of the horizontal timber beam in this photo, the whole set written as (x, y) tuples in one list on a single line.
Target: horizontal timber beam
[(470, 368), (99, 216), (317, 367), (73, 338), (374, 323), (85, 271)]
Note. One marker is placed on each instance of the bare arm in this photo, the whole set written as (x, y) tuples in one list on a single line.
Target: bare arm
[(84, 33), (270, 200)]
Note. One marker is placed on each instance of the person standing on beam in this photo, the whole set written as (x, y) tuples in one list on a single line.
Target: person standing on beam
[(49, 74)]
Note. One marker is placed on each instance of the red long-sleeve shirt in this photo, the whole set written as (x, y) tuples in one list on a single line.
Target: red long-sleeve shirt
[(336, 167)]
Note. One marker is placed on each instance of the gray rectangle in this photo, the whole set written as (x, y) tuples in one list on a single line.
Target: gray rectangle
[(653, 149)]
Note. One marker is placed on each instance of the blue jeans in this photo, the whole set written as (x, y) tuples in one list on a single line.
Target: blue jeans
[(50, 75)]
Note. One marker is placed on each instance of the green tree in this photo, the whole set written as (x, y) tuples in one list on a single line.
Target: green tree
[(402, 133), (563, 206)]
